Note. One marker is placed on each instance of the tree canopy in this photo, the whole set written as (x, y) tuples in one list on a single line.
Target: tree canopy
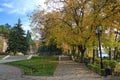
[(74, 22)]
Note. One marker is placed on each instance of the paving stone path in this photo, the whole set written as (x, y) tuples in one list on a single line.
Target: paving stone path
[(66, 70), (9, 72), (75, 71), (15, 58)]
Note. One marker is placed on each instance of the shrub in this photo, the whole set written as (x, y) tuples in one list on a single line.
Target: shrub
[(103, 72), (94, 68), (97, 60), (106, 63), (112, 63), (117, 70), (11, 53), (86, 60)]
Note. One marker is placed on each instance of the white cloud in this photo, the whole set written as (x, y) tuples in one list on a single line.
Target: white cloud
[(7, 5), (26, 26), (24, 6)]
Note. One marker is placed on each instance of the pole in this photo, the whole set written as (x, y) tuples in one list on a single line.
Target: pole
[(101, 62)]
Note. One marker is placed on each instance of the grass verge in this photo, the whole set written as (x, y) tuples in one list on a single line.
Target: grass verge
[(1, 57), (37, 65)]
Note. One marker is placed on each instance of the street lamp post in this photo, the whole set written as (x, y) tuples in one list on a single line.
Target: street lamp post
[(117, 33), (98, 33)]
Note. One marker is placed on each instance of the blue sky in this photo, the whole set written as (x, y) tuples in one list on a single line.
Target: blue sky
[(11, 10)]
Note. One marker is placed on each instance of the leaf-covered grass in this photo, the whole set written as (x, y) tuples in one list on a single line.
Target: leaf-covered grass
[(37, 65), (1, 57)]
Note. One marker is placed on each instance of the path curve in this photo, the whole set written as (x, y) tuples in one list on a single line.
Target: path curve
[(7, 71)]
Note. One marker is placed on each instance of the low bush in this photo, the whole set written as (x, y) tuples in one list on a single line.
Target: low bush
[(97, 60), (103, 72), (86, 60), (107, 64), (94, 68), (117, 70), (112, 64)]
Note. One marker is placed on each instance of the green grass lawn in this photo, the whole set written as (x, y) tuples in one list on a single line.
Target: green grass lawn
[(37, 65), (1, 57)]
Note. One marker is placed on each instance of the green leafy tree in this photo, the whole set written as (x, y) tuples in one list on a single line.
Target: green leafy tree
[(5, 30), (4, 34), (17, 41), (28, 38), (50, 49)]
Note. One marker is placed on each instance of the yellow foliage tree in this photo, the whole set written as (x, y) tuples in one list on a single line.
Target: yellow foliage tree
[(73, 22)]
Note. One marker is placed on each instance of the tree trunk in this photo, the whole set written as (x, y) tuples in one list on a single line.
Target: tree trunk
[(115, 52), (68, 51), (109, 53), (93, 56), (117, 55), (96, 53), (73, 50), (79, 54), (82, 50)]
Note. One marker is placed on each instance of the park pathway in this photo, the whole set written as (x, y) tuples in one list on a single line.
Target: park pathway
[(66, 70), (70, 70), (7, 72), (15, 58)]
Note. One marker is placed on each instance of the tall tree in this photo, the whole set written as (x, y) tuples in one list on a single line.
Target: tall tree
[(5, 30), (28, 38), (4, 34), (17, 41), (74, 22)]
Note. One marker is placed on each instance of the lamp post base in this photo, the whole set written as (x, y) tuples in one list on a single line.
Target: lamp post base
[(101, 65)]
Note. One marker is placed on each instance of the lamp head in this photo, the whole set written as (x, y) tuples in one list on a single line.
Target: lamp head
[(116, 31), (96, 31), (100, 28)]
